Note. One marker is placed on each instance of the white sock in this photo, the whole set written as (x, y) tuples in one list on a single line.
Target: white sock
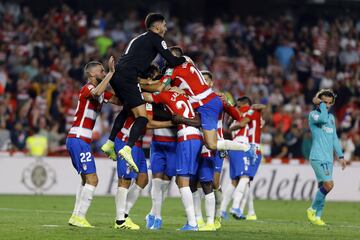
[(85, 199), (210, 207), (239, 192), (218, 200), (188, 203), (132, 196), (251, 209), (224, 144), (197, 205), (156, 197), (244, 199), (77, 200), (227, 196), (165, 187), (120, 202)]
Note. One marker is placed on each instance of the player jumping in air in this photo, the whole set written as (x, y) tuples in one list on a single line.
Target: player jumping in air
[(135, 61), (324, 142)]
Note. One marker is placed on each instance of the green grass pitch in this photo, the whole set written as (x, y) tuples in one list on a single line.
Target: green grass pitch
[(45, 217)]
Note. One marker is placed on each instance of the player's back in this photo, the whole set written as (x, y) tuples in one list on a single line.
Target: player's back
[(179, 104), (140, 52), (187, 77)]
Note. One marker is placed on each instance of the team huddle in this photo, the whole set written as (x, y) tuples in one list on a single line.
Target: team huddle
[(187, 115)]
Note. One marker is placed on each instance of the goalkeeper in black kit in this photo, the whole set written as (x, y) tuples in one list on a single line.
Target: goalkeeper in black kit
[(135, 61)]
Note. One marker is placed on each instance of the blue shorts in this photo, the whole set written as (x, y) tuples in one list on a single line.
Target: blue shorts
[(81, 155), (218, 162), (163, 158), (239, 164), (209, 113), (138, 156), (323, 170), (254, 167), (187, 156), (206, 169)]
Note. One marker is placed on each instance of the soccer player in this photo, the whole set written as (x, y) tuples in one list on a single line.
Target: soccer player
[(219, 155), (324, 142), (163, 168), (136, 59), (127, 194), (187, 150), (91, 98), (203, 99), (242, 167)]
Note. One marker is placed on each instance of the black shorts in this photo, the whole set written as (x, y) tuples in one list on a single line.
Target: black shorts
[(126, 87)]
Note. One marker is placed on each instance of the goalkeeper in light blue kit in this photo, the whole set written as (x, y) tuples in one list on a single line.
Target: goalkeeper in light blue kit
[(325, 142)]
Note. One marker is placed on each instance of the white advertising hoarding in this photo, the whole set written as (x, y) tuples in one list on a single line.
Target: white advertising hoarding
[(55, 175)]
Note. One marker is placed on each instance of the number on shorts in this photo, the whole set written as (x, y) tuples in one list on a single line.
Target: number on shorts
[(325, 167), (246, 163), (85, 157)]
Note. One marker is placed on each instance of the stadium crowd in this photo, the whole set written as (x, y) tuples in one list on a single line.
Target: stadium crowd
[(277, 61)]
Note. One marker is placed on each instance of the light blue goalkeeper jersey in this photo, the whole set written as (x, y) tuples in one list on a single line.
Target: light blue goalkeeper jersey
[(325, 139)]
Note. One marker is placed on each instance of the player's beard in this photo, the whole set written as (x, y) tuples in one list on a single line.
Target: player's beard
[(98, 79)]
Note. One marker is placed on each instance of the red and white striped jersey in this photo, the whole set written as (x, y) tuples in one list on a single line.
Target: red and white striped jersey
[(86, 113), (241, 134), (165, 134), (188, 78), (179, 104)]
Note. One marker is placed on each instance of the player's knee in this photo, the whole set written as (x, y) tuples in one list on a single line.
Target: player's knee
[(207, 187), (92, 180), (328, 186), (142, 180)]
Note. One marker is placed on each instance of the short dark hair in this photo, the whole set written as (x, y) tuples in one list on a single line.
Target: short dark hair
[(151, 18), (328, 93), (178, 50), (245, 99), (91, 65), (206, 72)]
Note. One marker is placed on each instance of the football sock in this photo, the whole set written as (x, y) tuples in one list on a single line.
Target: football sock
[(197, 205), (245, 198), (118, 124), (210, 207), (319, 201), (165, 187), (138, 129), (132, 196), (188, 203), (218, 200), (224, 144), (77, 200), (156, 197), (227, 196), (120, 202), (85, 199), (250, 205), (239, 191)]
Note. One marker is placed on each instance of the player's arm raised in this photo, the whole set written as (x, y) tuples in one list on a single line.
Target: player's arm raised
[(101, 87)]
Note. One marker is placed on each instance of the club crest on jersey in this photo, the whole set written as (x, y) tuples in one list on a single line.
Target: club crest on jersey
[(163, 44), (169, 71)]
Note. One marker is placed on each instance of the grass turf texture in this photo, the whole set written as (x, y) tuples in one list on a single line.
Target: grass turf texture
[(45, 217)]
